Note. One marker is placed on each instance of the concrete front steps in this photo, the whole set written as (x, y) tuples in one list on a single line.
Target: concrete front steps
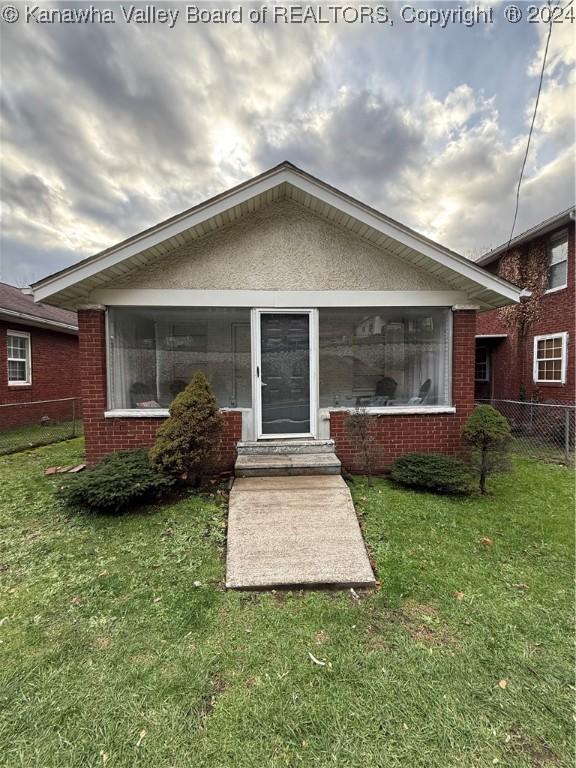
[(276, 458)]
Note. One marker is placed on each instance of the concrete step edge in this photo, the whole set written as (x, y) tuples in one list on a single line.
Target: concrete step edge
[(279, 447), (288, 460)]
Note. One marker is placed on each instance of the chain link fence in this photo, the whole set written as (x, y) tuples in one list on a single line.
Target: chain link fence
[(40, 422), (545, 431)]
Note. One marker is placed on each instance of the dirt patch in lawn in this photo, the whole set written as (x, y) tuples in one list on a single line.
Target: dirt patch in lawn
[(536, 751), (424, 625), (420, 620), (216, 687)]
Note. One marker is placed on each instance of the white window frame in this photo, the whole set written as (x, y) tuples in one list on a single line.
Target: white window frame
[(564, 359), (552, 240), (487, 377), (23, 335)]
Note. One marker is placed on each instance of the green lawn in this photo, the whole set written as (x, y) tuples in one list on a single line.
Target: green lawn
[(120, 648)]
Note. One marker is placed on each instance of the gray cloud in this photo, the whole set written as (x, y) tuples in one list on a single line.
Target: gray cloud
[(362, 143), (108, 130)]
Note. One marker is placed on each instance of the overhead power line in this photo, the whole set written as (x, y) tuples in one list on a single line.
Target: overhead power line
[(531, 126)]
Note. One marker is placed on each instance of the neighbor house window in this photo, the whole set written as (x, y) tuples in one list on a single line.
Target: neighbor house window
[(19, 358), (550, 358), (384, 356), (482, 371), (153, 353), (558, 261)]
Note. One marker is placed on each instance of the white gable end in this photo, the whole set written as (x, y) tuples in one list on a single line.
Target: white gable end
[(74, 286), (282, 247)]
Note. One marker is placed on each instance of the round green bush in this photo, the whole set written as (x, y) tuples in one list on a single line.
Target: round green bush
[(487, 431), (119, 481), (486, 428), (433, 472)]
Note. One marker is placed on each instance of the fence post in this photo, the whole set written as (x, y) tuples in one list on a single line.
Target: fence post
[(74, 417), (567, 435)]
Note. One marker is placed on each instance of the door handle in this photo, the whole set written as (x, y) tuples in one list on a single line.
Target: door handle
[(263, 384)]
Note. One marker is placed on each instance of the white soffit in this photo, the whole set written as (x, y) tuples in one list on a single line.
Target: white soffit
[(68, 288)]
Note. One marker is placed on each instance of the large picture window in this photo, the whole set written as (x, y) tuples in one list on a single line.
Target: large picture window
[(382, 357), (154, 352)]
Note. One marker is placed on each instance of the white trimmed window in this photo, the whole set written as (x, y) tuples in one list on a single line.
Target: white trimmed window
[(558, 261), (550, 353), (482, 364), (19, 358)]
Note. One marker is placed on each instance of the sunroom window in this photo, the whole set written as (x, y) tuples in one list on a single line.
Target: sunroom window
[(153, 354), (384, 356)]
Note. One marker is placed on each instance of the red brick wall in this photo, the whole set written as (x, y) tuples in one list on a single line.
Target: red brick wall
[(512, 358), (54, 376), (434, 433), (395, 434), (106, 435)]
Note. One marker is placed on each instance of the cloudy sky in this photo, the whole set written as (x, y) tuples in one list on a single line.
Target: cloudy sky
[(108, 129)]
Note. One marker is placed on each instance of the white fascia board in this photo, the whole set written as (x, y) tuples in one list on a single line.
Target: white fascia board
[(82, 272), (346, 205), (151, 297), (410, 239)]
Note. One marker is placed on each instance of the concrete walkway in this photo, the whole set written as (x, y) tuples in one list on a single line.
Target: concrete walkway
[(296, 530)]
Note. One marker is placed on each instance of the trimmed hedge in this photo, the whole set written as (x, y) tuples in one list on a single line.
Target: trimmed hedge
[(433, 472), (119, 481)]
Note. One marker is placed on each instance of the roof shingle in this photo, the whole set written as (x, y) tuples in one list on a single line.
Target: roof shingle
[(13, 300)]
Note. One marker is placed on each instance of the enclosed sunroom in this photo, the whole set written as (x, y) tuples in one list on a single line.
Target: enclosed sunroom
[(299, 303)]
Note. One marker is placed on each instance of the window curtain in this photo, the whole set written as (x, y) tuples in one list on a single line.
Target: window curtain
[(153, 354), (378, 357)]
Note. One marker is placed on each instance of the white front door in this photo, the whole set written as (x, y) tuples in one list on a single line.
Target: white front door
[(285, 372)]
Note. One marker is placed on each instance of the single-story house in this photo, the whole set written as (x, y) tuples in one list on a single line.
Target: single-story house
[(38, 360), (300, 304)]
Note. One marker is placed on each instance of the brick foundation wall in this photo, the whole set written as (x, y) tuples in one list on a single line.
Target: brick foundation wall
[(104, 435), (512, 358), (429, 433), (55, 375)]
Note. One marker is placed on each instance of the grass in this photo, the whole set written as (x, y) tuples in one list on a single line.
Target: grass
[(120, 647), (32, 435)]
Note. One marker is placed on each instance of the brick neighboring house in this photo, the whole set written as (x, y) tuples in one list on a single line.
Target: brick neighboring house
[(539, 362), (38, 359), (299, 303)]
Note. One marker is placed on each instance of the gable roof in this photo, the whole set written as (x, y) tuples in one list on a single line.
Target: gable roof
[(20, 307), (70, 286), (544, 228)]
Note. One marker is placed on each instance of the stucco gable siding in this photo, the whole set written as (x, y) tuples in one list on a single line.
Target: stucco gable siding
[(284, 246)]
